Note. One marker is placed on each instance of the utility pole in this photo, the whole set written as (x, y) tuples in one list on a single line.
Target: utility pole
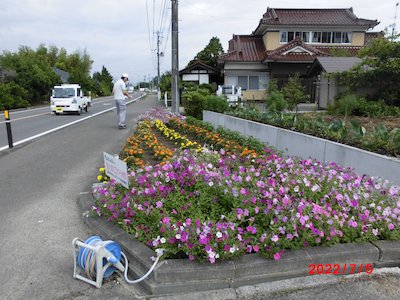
[(175, 68), (158, 60)]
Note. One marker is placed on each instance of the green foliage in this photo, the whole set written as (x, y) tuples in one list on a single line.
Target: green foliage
[(193, 103), (380, 139), (293, 92), (12, 95), (32, 71), (275, 100), (347, 105), (380, 70), (352, 105), (103, 82), (209, 55), (165, 83), (215, 103)]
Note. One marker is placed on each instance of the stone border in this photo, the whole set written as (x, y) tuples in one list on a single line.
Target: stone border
[(306, 146), (180, 276)]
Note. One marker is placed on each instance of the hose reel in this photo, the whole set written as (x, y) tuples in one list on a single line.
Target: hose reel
[(98, 259)]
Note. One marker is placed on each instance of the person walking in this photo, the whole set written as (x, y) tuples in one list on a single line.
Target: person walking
[(120, 94)]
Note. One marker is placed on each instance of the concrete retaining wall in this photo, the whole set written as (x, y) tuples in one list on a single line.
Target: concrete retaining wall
[(306, 146)]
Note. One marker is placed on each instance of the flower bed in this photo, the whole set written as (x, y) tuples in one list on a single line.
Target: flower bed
[(218, 204)]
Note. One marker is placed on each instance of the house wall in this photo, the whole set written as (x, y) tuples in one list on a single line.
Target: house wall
[(358, 39), (200, 78), (246, 69), (327, 91), (271, 40)]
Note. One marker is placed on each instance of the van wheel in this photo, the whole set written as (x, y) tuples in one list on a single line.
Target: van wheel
[(86, 108)]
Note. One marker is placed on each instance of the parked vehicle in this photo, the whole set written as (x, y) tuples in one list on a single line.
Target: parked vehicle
[(231, 92), (69, 98)]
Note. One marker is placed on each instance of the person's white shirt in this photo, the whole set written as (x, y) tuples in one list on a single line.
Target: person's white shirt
[(119, 88)]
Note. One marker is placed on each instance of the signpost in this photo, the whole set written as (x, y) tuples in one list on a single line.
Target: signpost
[(116, 169)]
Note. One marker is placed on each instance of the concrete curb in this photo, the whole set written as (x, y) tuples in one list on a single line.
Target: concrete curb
[(236, 278)]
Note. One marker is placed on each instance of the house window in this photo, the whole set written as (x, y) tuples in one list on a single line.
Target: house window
[(346, 37), (284, 37), (243, 82), (253, 83), (249, 82), (326, 37), (317, 37)]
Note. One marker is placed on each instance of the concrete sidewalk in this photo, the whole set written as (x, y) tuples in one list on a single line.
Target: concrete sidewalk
[(250, 277)]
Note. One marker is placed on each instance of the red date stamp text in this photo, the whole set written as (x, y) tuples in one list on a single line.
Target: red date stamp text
[(339, 269)]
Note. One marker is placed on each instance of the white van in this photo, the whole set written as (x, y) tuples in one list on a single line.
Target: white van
[(69, 98)]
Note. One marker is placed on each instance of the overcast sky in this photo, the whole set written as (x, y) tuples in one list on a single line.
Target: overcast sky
[(122, 34)]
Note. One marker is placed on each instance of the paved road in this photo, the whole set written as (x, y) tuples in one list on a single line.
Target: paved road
[(40, 182), (38, 120)]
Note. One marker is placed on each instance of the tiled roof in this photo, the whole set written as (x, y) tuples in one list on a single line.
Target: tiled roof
[(198, 65), (295, 50), (247, 48), (338, 64), (312, 17)]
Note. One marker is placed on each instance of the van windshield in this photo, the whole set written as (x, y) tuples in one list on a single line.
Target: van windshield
[(63, 92)]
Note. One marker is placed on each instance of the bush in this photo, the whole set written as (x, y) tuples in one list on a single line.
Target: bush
[(294, 93), (215, 103), (12, 96), (193, 103), (346, 105), (276, 102), (357, 106)]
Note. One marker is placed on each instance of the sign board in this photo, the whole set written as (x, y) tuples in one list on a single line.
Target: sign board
[(116, 169)]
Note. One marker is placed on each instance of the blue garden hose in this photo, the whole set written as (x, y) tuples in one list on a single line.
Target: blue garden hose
[(86, 257)]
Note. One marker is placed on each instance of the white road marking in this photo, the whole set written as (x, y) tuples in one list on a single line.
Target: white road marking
[(28, 117), (65, 125)]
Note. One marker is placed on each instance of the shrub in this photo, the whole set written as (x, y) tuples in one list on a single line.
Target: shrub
[(215, 103), (12, 96), (347, 105), (294, 93), (276, 102), (193, 103)]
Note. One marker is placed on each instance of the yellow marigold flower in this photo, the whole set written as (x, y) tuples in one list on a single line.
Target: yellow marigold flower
[(102, 170), (99, 178)]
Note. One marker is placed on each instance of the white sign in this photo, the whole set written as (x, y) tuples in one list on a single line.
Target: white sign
[(116, 169)]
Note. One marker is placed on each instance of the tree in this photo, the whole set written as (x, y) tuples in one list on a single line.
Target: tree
[(209, 55), (33, 72), (293, 92), (103, 82), (165, 83), (275, 100), (380, 69)]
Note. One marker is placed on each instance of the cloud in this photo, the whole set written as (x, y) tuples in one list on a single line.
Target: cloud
[(121, 35)]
